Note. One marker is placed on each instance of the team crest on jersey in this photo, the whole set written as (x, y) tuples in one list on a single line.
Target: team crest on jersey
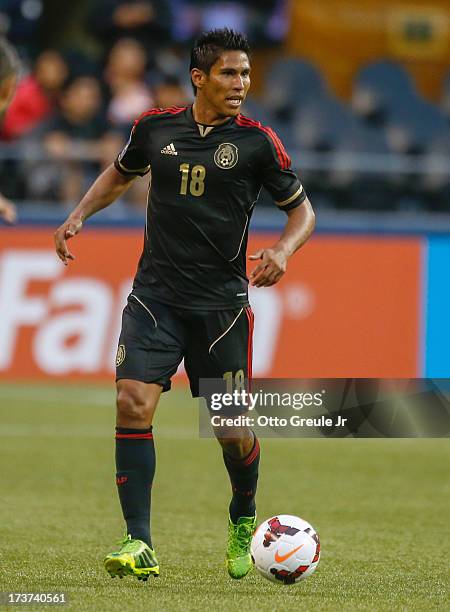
[(120, 357), (226, 156)]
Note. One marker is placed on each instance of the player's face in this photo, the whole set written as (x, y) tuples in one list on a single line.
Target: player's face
[(227, 84)]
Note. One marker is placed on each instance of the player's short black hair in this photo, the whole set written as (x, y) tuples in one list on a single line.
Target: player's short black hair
[(210, 45), (9, 61)]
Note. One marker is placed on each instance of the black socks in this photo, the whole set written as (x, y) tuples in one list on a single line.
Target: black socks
[(244, 477), (135, 466)]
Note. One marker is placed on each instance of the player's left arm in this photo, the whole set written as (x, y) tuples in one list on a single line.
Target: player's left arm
[(289, 195), (299, 227)]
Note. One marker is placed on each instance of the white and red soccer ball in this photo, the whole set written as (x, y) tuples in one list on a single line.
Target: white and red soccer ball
[(285, 549)]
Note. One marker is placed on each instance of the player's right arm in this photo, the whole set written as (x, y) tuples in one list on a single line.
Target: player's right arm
[(133, 161), (109, 186), (7, 210)]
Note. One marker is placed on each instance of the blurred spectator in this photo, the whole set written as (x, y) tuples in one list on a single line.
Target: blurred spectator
[(124, 74), (170, 92), (80, 114), (77, 140), (148, 21), (36, 94)]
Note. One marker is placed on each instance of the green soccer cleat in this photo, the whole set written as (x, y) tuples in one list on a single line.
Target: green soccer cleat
[(239, 560), (135, 558)]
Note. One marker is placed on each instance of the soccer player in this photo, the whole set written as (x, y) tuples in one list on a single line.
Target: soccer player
[(190, 293), (9, 67)]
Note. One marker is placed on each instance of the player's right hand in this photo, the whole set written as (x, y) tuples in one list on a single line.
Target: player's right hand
[(67, 230), (7, 210)]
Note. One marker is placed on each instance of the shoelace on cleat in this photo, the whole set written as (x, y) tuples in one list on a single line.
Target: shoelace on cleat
[(126, 538), (143, 556), (240, 537), (129, 546)]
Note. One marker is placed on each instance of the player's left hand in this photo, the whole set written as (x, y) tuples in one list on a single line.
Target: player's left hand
[(66, 231), (271, 268)]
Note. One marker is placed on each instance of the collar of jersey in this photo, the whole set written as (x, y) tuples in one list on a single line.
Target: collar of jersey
[(192, 121)]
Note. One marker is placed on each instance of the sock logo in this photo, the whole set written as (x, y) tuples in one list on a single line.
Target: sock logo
[(120, 357), (120, 480), (243, 492)]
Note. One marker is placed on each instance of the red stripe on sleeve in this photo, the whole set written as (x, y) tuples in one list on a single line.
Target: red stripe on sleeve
[(283, 157), (246, 122), (283, 150)]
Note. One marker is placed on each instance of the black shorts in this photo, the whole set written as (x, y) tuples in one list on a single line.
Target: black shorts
[(156, 337)]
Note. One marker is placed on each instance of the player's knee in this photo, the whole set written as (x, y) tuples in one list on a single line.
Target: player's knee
[(237, 447), (133, 406)]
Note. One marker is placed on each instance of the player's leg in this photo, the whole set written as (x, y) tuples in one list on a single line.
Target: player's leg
[(240, 449), (148, 355), (224, 349), (241, 457), (135, 470)]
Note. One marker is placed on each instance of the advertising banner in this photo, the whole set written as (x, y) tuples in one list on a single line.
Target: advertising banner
[(347, 306)]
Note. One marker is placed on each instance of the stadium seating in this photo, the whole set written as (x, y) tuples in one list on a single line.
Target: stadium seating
[(445, 104), (412, 127), (320, 124), (435, 182), (254, 109), (380, 88), (290, 83)]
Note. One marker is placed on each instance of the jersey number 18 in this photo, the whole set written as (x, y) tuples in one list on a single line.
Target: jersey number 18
[(197, 182)]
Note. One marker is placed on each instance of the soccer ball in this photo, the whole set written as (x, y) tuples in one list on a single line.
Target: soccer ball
[(285, 549)]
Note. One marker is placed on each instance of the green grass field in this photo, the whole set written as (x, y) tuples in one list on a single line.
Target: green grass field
[(381, 508)]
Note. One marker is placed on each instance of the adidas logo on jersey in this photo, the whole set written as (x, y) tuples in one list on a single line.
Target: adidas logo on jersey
[(169, 150)]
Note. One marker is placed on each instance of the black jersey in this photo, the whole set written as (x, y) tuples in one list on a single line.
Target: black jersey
[(205, 182)]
